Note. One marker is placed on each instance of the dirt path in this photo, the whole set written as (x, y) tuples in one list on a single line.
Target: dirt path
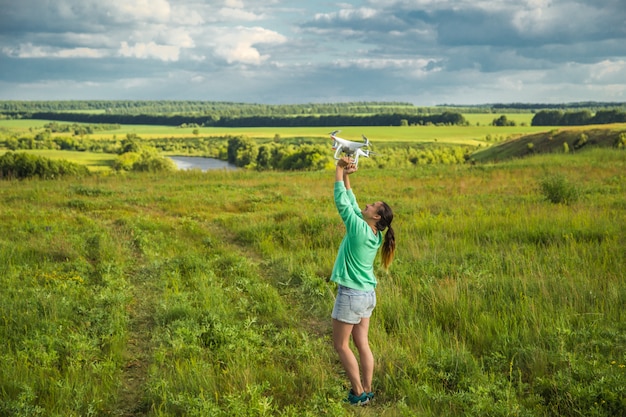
[(131, 400)]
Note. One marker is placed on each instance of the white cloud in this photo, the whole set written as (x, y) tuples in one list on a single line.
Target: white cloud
[(137, 10), (164, 35), (149, 50), (157, 42), (238, 45), (89, 40), (237, 4), (187, 15), (32, 51), (608, 70), (347, 14), (386, 63), (229, 13), (81, 53)]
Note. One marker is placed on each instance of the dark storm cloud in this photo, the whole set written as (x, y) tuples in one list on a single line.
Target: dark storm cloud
[(485, 37)]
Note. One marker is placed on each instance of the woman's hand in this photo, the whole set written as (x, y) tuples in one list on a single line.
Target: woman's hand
[(345, 166), (344, 162), (349, 169)]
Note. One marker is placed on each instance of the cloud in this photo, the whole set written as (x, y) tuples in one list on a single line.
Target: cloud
[(405, 68), (426, 51), (31, 51), (150, 50), (239, 45), (136, 10), (346, 15), (230, 14), (608, 70)]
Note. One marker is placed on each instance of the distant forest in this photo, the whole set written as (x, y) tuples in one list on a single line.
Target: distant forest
[(224, 114), (211, 108), (578, 118), (231, 114)]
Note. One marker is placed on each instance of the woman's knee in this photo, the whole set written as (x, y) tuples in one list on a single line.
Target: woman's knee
[(341, 345)]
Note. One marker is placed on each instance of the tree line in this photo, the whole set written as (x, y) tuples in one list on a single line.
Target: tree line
[(79, 129), (395, 119), (203, 108), (578, 118), (239, 109), (534, 107)]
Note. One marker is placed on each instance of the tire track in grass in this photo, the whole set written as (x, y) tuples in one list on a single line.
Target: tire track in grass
[(139, 347), (315, 326), (144, 290)]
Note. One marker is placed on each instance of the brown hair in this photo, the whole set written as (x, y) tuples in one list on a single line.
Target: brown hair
[(389, 244)]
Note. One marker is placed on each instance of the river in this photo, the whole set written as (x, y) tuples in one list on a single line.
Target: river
[(198, 162)]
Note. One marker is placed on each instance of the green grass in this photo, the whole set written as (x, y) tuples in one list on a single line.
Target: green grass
[(206, 293), (458, 135), (22, 125)]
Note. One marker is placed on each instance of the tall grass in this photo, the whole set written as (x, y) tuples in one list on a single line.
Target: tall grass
[(206, 294)]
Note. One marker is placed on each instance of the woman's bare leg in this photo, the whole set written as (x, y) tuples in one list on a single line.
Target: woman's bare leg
[(341, 342), (361, 341)]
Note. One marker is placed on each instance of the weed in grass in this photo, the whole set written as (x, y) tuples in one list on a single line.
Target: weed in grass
[(558, 190)]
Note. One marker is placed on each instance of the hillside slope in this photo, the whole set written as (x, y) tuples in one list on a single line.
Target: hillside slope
[(563, 140)]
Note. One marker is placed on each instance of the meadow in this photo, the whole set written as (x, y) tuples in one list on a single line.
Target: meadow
[(207, 294), (478, 129), (391, 144)]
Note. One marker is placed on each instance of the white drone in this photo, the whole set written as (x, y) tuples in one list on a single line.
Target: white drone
[(349, 148)]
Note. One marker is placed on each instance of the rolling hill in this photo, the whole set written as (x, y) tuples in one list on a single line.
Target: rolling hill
[(571, 139)]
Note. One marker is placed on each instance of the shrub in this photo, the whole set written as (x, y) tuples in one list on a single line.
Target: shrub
[(582, 141), (558, 190), (502, 121), (153, 162), (23, 165), (125, 161)]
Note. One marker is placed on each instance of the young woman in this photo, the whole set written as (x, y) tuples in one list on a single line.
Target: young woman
[(354, 273)]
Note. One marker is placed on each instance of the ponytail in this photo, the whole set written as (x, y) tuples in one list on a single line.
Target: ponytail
[(389, 244), (389, 247)]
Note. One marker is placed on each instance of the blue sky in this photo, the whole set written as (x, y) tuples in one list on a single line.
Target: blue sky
[(425, 52)]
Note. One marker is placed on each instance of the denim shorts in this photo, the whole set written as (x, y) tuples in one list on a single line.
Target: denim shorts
[(353, 305)]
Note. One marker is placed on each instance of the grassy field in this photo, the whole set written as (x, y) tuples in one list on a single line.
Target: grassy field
[(478, 134), (457, 135), (206, 294)]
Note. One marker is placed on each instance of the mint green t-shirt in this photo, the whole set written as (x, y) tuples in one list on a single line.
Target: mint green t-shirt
[(354, 266)]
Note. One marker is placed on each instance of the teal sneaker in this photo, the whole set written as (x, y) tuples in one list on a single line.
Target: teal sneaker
[(354, 399), (370, 395)]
